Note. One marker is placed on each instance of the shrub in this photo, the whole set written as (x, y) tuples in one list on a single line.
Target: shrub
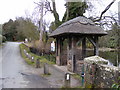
[(43, 59)]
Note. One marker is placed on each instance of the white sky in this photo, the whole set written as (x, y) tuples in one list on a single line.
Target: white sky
[(14, 8), (10, 9), (100, 5)]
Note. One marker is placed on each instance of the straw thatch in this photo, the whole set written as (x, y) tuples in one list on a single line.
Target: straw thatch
[(79, 25)]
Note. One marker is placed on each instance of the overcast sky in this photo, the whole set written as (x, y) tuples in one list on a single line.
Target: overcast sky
[(10, 9)]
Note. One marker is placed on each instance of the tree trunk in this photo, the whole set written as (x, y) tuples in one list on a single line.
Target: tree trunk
[(56, 15), (41, 22)]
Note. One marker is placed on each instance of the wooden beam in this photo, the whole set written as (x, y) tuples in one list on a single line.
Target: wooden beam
[(79, 40), (94, 41), (61, 50), (73, 43), (68, 46), (58, 57), (84, 48), (73, 47), (56, 46), (91, 39), (74, 63), (96, 52)]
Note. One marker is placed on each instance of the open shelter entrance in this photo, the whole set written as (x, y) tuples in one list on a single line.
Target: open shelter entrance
[(73, 31)]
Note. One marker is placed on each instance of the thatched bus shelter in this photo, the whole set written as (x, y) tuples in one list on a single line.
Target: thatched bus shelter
[(76, 30)]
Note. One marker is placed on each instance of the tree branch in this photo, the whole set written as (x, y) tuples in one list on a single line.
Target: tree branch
[(105, 10)]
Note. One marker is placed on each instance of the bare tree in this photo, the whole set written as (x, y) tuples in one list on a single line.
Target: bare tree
[(104, 11), (105, 21), (41, 8)]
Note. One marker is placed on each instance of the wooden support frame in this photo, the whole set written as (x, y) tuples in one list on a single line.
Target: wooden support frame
[(56, 46), (94, 41), (58, 51), (96, 51), (73, 47), (72, 42), (68, 47), (79, 40), (91, 39), (84, 48)]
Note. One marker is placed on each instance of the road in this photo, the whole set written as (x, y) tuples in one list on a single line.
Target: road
[(14, 71)]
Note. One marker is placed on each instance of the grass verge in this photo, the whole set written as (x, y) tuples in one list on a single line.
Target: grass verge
[(1, 44), (46, 75), (42, 59), (77, 76)]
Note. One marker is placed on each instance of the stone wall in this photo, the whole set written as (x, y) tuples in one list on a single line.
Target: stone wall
[(76, 52), (78, 66), (64, 57), (98, 74), (78, 62)]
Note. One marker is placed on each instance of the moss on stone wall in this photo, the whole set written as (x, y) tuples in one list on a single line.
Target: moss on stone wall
[(98, 74)]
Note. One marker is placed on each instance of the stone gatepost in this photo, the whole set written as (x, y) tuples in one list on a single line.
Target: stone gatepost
[(98, 74), (67, 80), (37, 63), (24, 51), (46, 68), (32, 59)]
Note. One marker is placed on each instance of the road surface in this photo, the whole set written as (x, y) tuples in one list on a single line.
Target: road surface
[(15, 72)]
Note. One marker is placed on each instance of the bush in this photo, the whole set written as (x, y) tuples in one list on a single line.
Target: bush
[(3, 39), (116, 86), (0, 39), (42, 59)]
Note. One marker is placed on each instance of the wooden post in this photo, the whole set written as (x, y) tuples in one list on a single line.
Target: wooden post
[(83, 48), (73, 43), (73, 53), (56, 47), (94, 41), (61, 50), (58, 57), (27, 55), (37, 63), (74, 63), (68, 47), (32, 59), (67, 80), (46, 69), (96, 52), (24, 51)]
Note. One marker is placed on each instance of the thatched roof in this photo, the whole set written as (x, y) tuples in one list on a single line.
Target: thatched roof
[(78, 25)]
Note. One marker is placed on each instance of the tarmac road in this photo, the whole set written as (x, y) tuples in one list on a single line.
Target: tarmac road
[(15, 72)]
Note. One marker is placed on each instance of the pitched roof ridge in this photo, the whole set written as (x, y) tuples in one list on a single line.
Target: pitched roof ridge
[(77, 20)]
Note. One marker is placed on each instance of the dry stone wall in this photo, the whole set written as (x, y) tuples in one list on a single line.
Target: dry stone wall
[(98, 74), (78, 66)]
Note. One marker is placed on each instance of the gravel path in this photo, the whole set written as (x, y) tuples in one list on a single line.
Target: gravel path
[(16, 73)]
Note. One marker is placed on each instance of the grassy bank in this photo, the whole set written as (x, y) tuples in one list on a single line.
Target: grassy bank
[(42, 59), (77, 76), (0, 45)]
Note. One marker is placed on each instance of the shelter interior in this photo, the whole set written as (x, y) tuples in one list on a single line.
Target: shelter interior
[(73, 32), (72, 51)]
